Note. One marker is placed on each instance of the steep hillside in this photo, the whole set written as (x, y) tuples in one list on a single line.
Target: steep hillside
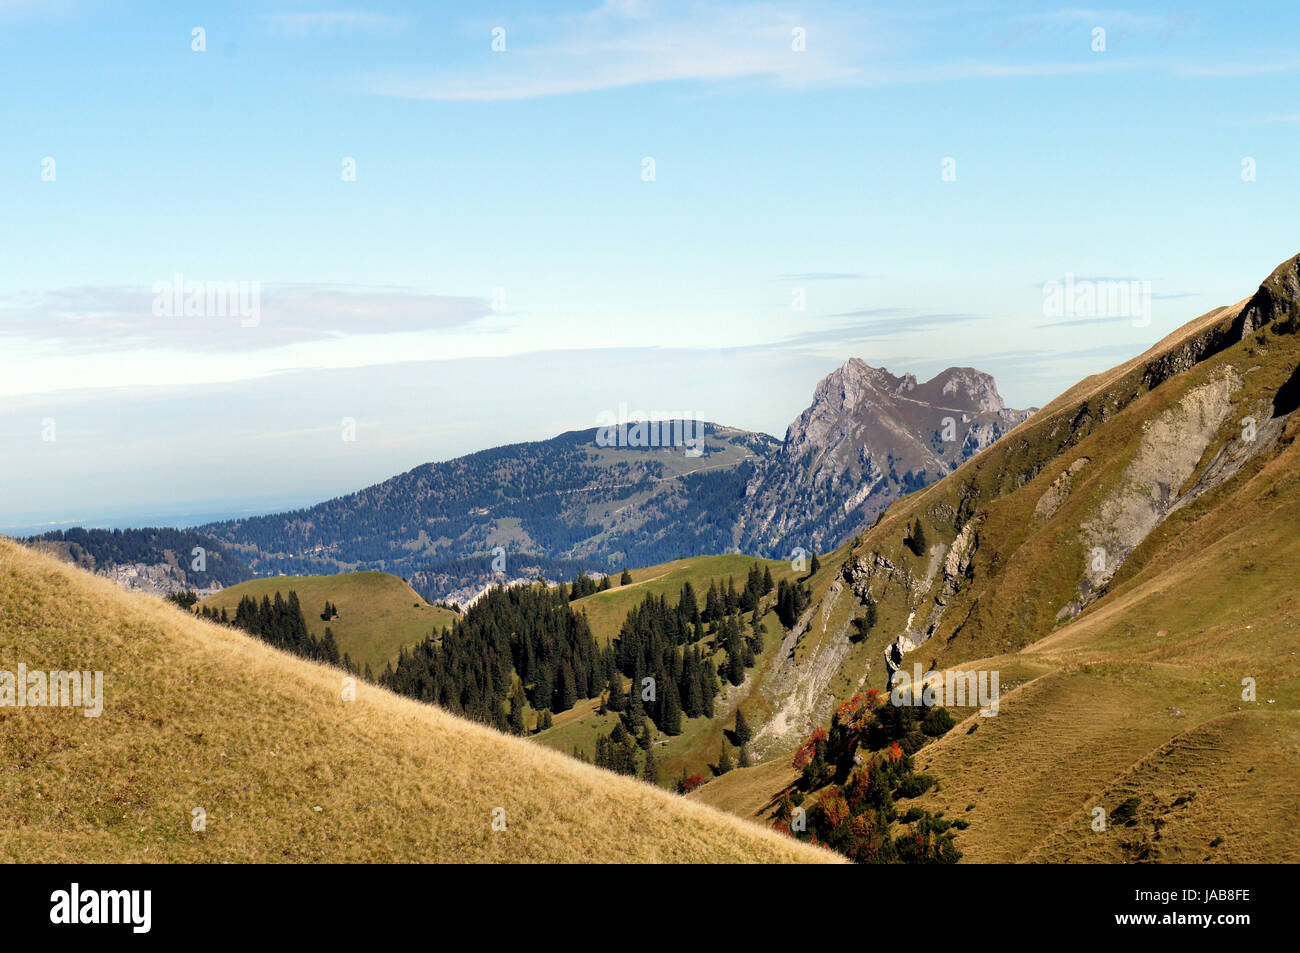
[(198, 717), (769, 692), (1096, 485), (867, 439), (155, 560), (378, 614), (1122, 560)]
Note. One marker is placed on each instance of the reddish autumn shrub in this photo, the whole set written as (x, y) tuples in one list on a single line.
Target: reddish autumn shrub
[(835, 810), (687, 785)]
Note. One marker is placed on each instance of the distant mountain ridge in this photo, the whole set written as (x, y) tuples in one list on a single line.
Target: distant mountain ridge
[(555, 507), (597, 500)]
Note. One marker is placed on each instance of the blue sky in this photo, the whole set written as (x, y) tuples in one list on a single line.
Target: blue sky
[(503, 269)]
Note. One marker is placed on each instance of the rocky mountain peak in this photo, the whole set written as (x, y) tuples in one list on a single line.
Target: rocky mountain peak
[(868, 437)]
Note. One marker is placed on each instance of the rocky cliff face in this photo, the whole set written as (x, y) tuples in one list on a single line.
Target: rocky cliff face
[(868, 438), (1041, 528), (1147, 500)]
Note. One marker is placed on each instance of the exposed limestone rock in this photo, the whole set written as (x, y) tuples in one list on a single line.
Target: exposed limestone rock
[(1059, 491), (959, 556), (1171, 446), (802, 689), (871, 570)]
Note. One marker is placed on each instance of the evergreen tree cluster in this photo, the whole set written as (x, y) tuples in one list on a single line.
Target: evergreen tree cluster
[(524, 632), (792, 598), (667, 644), (584, 585), (280, 622), (618, 751), (666, 651), (863, 624), (719, 602), (186, 600), (660, 642)]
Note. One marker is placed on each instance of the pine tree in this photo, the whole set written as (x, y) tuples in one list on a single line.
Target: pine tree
[(712, 603), (617, 701), (626, 578), (672, 711), (724, 760), (744, 757), (330, 648), (544, 687), (650, 770), (517, 703), (709, 685), (736, 649), (757, 631), (743, 733), (814, 565), (916, 538), (693, 699), (635, 715), (688, 608), (566, 692)]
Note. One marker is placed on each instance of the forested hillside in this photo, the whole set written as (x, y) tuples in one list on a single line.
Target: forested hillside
[(568, 503), (175, 552)]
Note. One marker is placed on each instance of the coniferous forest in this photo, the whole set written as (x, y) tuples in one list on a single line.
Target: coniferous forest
[(668, 652), (279, 622), (528, 633)]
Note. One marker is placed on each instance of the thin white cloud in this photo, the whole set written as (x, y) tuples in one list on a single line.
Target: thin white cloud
[(823, 276), (250, 317), (334, 21), (1121, 19), (620, 45), (1234, 70)]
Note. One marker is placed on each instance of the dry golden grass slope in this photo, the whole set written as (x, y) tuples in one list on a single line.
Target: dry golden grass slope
[(201, 716)]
